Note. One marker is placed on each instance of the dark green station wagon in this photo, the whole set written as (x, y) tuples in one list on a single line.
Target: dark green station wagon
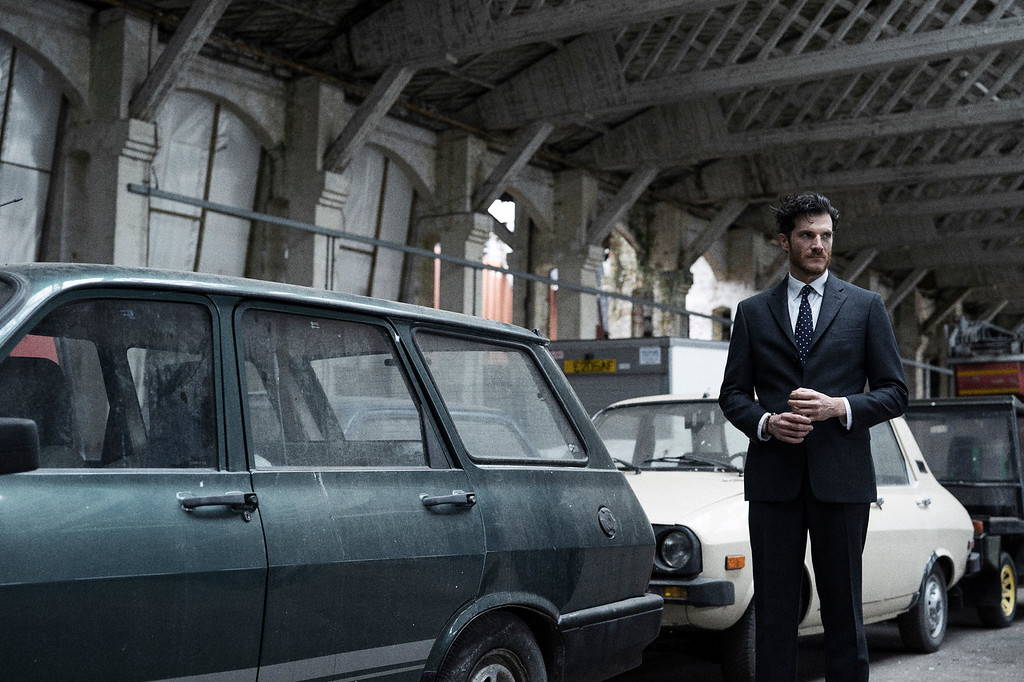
[(217, 478)]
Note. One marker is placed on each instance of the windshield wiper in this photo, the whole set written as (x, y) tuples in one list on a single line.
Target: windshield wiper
[(718, 464), (628, 465)]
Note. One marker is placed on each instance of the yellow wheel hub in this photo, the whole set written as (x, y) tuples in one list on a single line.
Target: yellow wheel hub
[(1008, 583)]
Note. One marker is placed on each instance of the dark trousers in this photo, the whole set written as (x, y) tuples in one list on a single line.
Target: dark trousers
[(778, 533)]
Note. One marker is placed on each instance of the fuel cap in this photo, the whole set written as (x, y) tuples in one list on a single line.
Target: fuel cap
[(608, 522)]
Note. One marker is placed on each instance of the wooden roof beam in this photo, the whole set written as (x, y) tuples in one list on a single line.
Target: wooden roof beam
[(712, 233), (944, 309), (940, 255), (655, 137), (516, 102), (526, 144), (859, 264), (715, 180), (190, 36), (990, 313), (956, 204), (363, 122), (616, 208), (428, 33), (905, 288)]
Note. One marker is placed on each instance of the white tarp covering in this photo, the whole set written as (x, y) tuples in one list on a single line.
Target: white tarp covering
[(380, 194), (31, 103), (185, 135)]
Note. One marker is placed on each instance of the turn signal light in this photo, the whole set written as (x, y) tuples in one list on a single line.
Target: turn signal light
[(979, 527), (734, 562), (674, 592)]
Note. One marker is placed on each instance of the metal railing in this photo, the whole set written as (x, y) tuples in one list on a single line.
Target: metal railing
[(426, 253)]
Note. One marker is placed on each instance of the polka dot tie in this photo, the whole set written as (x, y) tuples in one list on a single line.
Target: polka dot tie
[(804, 324)]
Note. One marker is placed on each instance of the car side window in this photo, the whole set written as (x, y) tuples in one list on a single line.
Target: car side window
[(322, 392), (117, 383), (890, 465), (501, 405)]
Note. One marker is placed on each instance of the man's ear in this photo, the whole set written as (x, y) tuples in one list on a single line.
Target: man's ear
[(783, 241)]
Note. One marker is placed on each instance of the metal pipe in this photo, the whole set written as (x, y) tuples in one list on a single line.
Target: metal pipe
[(425, 253)]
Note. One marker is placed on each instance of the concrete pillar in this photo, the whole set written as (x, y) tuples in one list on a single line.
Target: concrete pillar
[(671, 278), (462, 235), (302, 190), (528, 298), (671, 287), (912, 344), (100, 220), (462, 232), (577, 311), (576, 204)]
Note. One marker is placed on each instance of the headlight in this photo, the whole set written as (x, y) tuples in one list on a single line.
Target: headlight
[(679, 551)]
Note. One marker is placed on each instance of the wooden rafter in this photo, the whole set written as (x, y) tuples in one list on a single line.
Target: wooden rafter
[(431, 32), (384, 94), (905, 288), (617, 207), (718, 226), (190, 36), (526, 144)]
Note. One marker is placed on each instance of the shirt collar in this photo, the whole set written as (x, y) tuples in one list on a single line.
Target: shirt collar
[(796, 286)]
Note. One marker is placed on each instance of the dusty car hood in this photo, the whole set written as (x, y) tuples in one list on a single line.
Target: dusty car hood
[(670, 497)]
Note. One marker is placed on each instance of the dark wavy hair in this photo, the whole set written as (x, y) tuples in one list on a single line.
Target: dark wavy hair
[(794, 206)]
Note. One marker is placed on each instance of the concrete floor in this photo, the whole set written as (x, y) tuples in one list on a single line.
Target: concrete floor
[(970, 652)]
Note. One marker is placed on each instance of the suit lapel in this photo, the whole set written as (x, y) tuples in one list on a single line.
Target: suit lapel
[(831, 302), (779, 307)]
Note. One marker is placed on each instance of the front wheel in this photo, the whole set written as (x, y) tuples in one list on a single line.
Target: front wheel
[(737, 661), (1001, 615), (923, 627), (494, 648)]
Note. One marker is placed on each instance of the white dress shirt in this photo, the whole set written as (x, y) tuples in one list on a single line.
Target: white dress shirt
[(795, 287)]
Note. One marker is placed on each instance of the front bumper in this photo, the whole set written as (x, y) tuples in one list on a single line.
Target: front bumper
[(696, 591), (603, 641)]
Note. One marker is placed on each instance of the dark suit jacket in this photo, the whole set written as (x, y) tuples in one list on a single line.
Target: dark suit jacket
[(853, 345)]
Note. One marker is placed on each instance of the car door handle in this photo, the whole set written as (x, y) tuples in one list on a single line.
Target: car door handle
[(245, 503), (924, 502), (879, 502), (459, 498)]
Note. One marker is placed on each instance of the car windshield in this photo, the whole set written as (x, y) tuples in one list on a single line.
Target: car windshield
[(671, 436), (966, 442)]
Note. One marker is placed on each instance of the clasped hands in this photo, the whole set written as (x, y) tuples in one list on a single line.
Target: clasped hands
[(806, 406)]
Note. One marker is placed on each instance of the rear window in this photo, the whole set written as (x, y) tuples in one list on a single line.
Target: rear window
[(502, 406), (117, 383), (966, 442)]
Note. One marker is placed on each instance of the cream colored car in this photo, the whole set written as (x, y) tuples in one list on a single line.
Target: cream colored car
[(685, 463)]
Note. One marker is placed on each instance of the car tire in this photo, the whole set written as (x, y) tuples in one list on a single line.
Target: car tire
[(923, 627), (737, 660), (1001, 615), (496, 647)]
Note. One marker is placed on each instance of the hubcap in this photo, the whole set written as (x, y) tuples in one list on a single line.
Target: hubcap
[(1008, 592), (499, 665), (934, 602)]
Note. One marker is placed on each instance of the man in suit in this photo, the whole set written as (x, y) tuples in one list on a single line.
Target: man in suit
[(799, 358)]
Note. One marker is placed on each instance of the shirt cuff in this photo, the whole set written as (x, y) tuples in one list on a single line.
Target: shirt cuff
[(762, 425), (848, 422)]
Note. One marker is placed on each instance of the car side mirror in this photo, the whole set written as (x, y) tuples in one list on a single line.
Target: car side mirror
[(19, 445)]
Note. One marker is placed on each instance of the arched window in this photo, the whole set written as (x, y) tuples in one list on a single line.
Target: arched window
[(379, 205), (204, 151), (30, 106)]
